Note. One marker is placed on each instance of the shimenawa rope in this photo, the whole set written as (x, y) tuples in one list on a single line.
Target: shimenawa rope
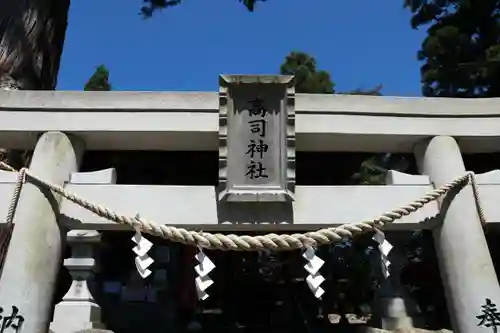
[(271, 241)]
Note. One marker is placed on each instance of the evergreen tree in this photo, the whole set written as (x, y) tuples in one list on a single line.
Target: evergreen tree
[(308, 79), (461, 53), (99, 81), (375, 91), (151, 6)]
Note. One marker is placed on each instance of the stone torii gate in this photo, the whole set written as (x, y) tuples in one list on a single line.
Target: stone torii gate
[(61, 125)]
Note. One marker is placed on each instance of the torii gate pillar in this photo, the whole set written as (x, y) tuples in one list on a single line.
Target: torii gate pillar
[(465, 262), (34, 257)]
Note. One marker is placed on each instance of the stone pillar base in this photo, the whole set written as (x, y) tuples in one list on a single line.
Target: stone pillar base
[(398, 323), (395, 316), (67, 312)]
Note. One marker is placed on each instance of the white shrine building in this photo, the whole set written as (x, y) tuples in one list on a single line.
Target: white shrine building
[(61, 126)]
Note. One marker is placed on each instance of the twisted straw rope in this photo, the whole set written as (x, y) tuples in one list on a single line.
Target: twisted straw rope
[(281, 242)]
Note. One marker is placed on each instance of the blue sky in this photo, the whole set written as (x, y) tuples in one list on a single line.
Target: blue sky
[(362, 43)]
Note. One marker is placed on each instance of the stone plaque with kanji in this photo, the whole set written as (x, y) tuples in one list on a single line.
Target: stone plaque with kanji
[(256, 138)]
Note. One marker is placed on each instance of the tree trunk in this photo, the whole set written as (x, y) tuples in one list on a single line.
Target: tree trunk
[(31, 40)]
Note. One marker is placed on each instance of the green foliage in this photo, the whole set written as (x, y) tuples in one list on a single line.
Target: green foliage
[(372, 171), (376, 91), (99, 81), (461, 53), (151, 6), (308, 79)]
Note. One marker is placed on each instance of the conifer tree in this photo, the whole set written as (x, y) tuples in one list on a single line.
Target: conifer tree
[(99, 81)]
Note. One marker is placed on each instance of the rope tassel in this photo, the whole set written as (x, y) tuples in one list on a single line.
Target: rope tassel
[(314, 279), (203, 281), (142, 260), (384, 247)]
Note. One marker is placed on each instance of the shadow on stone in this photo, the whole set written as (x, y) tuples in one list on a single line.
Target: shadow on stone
[(255, 213)]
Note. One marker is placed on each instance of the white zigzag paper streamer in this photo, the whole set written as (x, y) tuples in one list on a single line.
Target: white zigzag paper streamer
[(142, 261), (314, 279), (203, 281), (384, 247)]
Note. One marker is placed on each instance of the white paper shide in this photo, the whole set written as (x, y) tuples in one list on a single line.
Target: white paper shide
[(203, 281), (384, 247), (314, 279), (142, 260)]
